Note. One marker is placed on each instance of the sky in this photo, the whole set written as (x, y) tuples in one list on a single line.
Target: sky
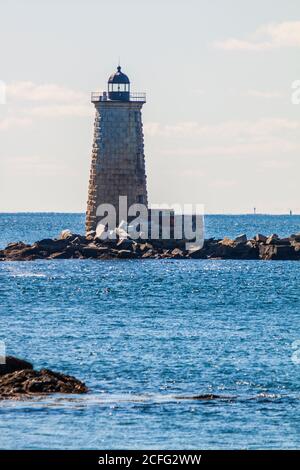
[(221, 128)]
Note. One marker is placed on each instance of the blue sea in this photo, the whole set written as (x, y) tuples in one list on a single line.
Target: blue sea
[(146, 337)]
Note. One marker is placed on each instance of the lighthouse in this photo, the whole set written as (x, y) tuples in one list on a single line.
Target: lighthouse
[(118, 160)]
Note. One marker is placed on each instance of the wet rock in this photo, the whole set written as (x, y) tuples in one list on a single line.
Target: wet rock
[(205, 396), (272, 239), (226, 242), (241, 239), (29, 382), (91, 235), (144, 247), (65, 234), (91, 251), (260, 238), (62, 255), (177, 253), (126, 254), (229, 249), (13, 364), (148, 254), (198, 254), (126, 244), (51, 246), (27, 253), (78, 246), (278, 252), (295, 237), (208, 250), (15, 246)]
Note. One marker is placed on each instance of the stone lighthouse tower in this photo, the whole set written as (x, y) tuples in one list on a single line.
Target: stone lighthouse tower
[(118, 161)]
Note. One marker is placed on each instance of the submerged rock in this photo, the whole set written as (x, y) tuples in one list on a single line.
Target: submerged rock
[(206, 396)]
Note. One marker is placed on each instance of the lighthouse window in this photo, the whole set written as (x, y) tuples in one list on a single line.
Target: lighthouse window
[(118, 87)]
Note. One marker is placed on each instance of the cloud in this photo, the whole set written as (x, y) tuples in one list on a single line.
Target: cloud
[(228, 129), (27, 101), (267, 37), (48, 92), (234, 138)]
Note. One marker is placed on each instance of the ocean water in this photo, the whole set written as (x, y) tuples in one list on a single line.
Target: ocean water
[(146, 337)]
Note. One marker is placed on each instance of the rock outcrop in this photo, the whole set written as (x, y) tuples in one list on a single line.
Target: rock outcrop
[(74, 246), (19, 380)]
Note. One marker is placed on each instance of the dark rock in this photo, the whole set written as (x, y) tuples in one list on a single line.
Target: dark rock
[(278, 252), (91, 251), (78, 241), (76, 246), (260, 238), (126, 244), (126, 254), (51, 246), (62, 255), (143, 247), (29, 382), (229, 249), (295, 238), (284, 241), (15, 246), (206, 396), (272, 239), (241, 239), (148, 254), (29, 252), (198, 254), (13, 364), (91, 235)]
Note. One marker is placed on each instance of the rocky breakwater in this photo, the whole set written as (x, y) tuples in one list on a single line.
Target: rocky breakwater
[(19, 380), (74, 246)]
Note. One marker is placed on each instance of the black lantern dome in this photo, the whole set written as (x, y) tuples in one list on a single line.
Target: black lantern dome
[(119, 86)]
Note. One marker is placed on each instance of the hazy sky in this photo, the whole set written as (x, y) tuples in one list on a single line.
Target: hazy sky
[(220, 128)]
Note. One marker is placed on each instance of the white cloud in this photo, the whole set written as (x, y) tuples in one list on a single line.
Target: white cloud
[(48, 92), (270, 36), (234, 138), (28, 101), (228, 129)]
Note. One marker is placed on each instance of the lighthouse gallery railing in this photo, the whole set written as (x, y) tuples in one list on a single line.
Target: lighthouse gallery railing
[(103, 96)]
